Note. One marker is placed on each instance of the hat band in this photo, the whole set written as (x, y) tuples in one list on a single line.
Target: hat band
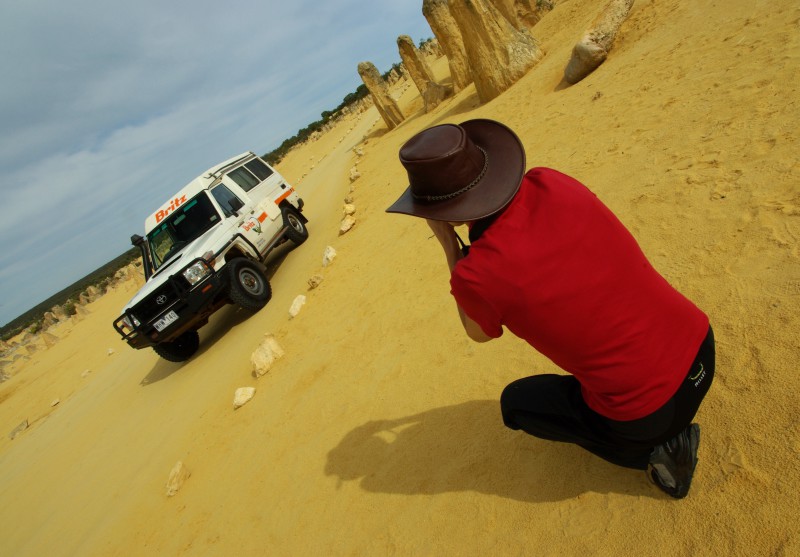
[(462, 190)]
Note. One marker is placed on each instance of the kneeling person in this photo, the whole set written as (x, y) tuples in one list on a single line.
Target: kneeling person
[(552, 264)]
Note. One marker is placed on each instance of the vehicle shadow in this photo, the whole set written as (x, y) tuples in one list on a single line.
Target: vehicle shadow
[(466, 448), (220, 323), (276, 258)]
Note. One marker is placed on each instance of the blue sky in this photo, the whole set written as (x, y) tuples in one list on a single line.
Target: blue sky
[(109, 107)]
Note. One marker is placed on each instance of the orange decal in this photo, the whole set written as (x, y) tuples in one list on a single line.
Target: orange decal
[(262, 217), (284, 196), (174, 204)]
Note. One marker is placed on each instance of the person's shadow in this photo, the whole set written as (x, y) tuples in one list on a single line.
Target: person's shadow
[(467, 448)]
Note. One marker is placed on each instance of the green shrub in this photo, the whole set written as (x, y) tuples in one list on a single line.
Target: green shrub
[(69, 307)]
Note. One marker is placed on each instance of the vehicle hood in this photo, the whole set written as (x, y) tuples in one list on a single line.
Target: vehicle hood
[(212, 240)]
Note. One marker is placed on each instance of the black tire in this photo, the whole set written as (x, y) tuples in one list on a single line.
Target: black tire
[(180, 349), (296, 229), (249, 287)]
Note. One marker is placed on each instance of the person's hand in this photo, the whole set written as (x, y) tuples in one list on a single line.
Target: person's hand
[(443, 231), (446, 235)]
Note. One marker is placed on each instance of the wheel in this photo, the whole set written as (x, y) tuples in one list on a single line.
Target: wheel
[(249, 287), (180, 349), (296, 231)]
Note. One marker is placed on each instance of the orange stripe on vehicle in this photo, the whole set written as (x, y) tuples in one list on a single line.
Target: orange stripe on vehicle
[(284, 196), (262, 217)]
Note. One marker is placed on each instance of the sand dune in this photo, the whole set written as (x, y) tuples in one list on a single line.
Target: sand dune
[(378, 433)]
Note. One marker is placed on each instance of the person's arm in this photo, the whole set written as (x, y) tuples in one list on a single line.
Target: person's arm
[(446, 235)]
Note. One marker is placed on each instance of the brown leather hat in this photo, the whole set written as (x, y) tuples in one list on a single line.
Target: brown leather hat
[(462, 172)]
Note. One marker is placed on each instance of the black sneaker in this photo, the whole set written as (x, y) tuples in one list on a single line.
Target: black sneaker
[(672, 463)]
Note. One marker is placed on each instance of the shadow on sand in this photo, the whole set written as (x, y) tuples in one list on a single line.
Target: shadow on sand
[(468, 103), (467, 448)]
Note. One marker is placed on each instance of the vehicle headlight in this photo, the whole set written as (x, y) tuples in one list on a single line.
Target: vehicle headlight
[(196, 272), (127, 321)]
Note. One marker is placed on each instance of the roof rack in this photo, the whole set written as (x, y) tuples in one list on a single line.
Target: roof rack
[(217, 173)]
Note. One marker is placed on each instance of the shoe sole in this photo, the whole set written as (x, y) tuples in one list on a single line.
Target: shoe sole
[(679, 491)]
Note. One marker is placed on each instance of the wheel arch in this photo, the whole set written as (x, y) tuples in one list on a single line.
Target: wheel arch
[(286, 205)]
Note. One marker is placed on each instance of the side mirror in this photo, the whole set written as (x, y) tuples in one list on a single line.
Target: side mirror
[(235, 204)]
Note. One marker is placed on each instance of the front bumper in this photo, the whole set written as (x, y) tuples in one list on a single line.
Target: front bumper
[(174, 308)]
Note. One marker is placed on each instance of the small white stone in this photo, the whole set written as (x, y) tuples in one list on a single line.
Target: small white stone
[(315, 281), (55, 402), (110, 351), (265, 355), (242, 396), (348, 223), (328, 256), (298, 303), (86, 373), (177, 476), (349, 209)]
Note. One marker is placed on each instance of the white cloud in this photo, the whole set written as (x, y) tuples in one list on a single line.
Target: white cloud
[(109, 108)]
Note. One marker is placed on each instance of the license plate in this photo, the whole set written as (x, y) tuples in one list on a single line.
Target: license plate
[(165, 321)]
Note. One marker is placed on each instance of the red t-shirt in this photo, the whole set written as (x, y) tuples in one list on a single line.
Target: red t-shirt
[(560, 271)]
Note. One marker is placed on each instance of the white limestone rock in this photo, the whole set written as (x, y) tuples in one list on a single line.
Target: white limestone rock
[(347, 224), (49, 340), (242, 396), (177, 476), (315, 281), (265, 355), (328, 256), (298, 303)]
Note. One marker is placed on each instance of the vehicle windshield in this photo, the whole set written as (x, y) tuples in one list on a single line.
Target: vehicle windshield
[(185, 224)]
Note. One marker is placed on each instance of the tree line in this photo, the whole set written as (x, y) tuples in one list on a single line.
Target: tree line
[(67, 298), (101, 277), (276, 155)]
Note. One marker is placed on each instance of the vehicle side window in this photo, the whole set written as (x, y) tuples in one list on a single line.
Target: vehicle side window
[(243, 178), (223, 195), (261, 170)]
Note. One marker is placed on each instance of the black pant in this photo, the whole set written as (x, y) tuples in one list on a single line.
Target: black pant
[(552, 407)]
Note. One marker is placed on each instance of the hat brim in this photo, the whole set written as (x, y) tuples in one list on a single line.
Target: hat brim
[(495, 190)]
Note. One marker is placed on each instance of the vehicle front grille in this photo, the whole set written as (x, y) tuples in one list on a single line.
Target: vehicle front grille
[(160, 300)]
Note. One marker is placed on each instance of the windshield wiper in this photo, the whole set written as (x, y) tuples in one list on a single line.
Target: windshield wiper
[(170, 256)]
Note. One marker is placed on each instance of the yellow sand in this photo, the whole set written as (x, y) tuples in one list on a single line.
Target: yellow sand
[(379, 431)]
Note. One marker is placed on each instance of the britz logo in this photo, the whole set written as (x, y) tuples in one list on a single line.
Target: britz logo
[(174, 204), (252, 223)]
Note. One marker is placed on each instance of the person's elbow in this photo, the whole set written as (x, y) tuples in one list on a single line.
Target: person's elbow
[(475, 332)]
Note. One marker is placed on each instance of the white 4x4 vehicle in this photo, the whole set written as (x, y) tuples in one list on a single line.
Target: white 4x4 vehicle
[(205, 248)]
